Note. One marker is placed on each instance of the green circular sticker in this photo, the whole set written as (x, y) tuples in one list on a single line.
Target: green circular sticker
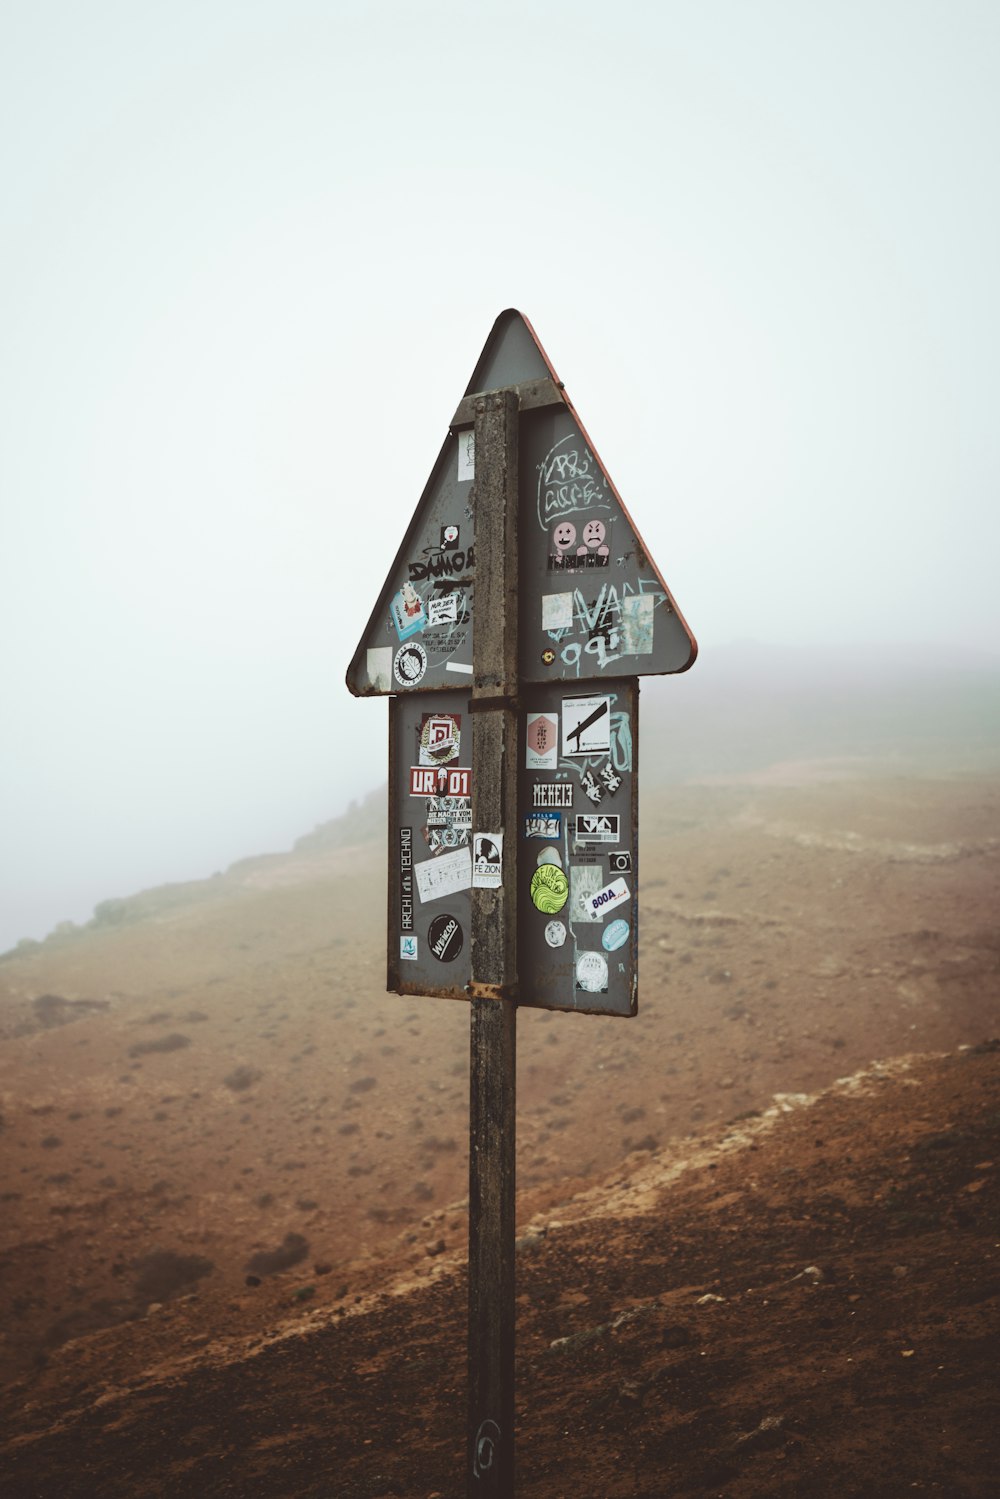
[(549, 889)]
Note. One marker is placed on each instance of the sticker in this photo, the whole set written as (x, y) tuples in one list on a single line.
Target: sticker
[(406, 879), (607, 898), (586, 726), (592, 973), (449, 820), (636, 624), (443, 611), (557, 611), (487, 861), (548, 656), (449, 538), (593, 553), (408, 948), (615, 935), (549, 889), (542, 740), (449, 812), (555, 934), (620, 862), (563, 539), (380, 668), (440, 738), (550, 856), (543, 824), (467, 455), (466, 670), (591, 787), (407, 610), (552, 794), (444, 938), (440, 781), (410, 664), (585, 881), (442, 840), (582, 560), (593, 539), (597, 827), (612, 780), (444, 875)]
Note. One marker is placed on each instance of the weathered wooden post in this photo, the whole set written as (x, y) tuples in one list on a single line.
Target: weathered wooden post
[(520, 611), (493, 985)]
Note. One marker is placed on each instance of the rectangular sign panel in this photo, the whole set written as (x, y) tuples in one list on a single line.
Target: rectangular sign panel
[(576, 838), (430, 844), (578, 858)]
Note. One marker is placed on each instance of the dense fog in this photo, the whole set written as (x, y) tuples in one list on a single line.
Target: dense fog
[(251, 257)]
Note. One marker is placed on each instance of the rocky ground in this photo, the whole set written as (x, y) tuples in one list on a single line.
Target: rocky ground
[(803, 1303), (233, 1173)]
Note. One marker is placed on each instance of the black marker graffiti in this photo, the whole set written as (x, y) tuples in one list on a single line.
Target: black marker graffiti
[(438, 564)]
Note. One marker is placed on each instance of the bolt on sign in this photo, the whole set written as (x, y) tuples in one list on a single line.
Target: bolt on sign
[(593, 615)]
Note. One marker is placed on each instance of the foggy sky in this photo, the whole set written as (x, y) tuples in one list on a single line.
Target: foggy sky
[(250, 255)]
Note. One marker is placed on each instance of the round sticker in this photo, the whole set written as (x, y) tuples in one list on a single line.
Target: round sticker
[(592, 972), (549, 889), (409, 664), (444, 935), (550, 856), (548, 656), (555, 934), (614, 935)]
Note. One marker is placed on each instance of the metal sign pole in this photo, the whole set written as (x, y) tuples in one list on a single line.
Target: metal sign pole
[(493, 986)]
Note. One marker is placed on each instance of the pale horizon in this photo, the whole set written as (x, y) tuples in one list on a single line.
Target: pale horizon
[(252, 254)]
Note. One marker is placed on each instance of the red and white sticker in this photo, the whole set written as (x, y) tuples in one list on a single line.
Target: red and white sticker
[(440, 780), (440, 738)]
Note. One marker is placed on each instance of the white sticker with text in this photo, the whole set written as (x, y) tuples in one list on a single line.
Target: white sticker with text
[(444, 874)]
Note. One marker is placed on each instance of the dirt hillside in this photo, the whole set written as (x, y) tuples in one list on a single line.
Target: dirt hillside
[(215, 1121), (803, 1303)]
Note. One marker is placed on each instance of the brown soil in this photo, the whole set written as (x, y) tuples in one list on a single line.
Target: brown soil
[(236, 1095)]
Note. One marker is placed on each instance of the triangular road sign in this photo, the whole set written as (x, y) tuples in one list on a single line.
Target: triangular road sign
[(592, 602)]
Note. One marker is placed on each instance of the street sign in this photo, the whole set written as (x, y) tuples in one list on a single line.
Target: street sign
[(510, 635), (592, 603), (593, 613)]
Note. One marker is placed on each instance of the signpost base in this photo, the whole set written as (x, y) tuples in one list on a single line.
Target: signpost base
[(492, 1137)]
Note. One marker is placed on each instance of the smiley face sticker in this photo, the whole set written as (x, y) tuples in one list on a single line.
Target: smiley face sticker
[(593, 540), (564, 535)]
